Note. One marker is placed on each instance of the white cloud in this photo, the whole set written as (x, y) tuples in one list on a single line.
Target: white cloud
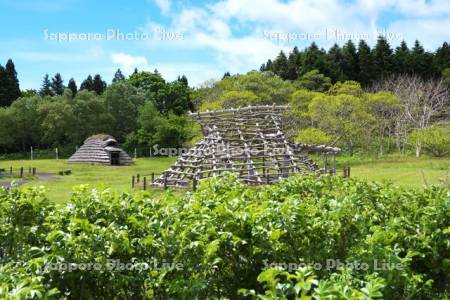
[(128, 62), (164, 5), (409, 8), (232, 30), (430, 32)]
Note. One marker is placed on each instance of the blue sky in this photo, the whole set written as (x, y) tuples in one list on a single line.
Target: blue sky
[(201, 39)]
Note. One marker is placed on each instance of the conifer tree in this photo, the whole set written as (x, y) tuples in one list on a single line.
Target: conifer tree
[(57, 85), (442, 58), (72, 85), (118, 76), (350, 66), (402, 59), (46, 87), (87, 84), (269, 65), (183, 79), (382, 54), (98, 85), (261, 69), (3, 87), (294, 64), (13, 83), (280, 65), (313, 58), (365, 63), (421, 61), (333, 64)]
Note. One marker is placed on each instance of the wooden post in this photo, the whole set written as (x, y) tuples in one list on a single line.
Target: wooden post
[(194, 184), (57, 153), (145, 183), (138, 178), (267, 178), (165, 180), (29, 170), (21, 172), (325, 157), (34, 171), (333, 170), (132, 182), (31, 153), (346, 171), (153, 177), (264, 166), (10, 171)]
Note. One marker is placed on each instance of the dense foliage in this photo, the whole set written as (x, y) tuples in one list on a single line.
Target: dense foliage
[(60, 116), (53, 116), (227, 241), (361, 63), (343, 114)]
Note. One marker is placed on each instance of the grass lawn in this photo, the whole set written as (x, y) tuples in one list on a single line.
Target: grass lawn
[(408, 172), (405, 171), (116, 177)]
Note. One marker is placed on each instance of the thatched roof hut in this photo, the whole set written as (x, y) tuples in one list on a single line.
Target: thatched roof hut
[(101, 149)]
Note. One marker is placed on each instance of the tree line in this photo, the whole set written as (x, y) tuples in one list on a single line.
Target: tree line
[(139, 111), (143, 109), (404, 113), (362, 63)]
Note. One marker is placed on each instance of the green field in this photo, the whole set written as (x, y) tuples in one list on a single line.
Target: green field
[(410, 172), (116, 177), (406, 172)]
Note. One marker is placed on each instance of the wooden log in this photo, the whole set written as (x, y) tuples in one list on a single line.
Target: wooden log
[(165, 180), (333, 167), (132, 182), (194, 184)]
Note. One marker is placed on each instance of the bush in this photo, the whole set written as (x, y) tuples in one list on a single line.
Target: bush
[(434, 140), (226, 238), (313, 136)]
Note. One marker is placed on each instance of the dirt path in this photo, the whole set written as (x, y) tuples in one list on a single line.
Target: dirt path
[(40, 177)]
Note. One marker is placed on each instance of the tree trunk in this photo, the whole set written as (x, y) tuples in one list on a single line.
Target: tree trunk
[(418, 148), (397, 142)]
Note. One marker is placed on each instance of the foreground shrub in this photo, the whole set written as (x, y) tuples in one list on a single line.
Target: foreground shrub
[(321, 237)]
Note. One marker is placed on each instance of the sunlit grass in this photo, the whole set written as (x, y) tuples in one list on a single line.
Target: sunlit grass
[(404, 171), (97, 176)]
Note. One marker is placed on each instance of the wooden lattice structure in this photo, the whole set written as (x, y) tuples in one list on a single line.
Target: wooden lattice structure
[(250, 142)]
